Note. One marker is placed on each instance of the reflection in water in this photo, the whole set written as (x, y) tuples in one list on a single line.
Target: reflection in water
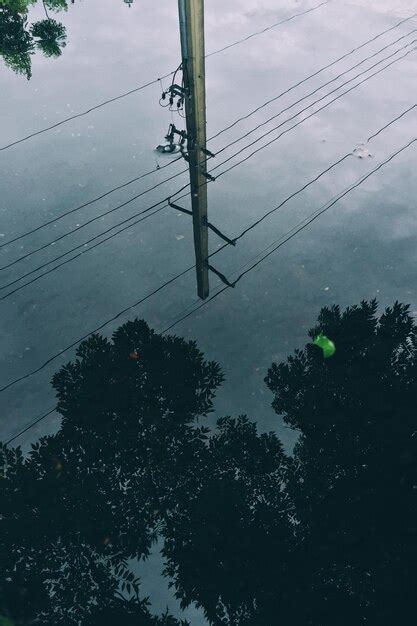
[(20, 39), (251, 534)]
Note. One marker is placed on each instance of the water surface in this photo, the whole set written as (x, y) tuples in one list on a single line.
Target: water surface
[(363, 247)]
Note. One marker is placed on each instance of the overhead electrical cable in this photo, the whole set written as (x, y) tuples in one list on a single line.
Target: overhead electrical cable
[(316, 73), (90, 110), (219, 151), (79, 254), (131, 224), (153, 292), (328, 169), (289, 107), (305, 118), (301, 226), (391, 122), (31, 425), (265, 30), (4, 244), (293, 232), (318, 101), (90, 202), (322, 210), (152, 82), (93, 219), (100, 327)]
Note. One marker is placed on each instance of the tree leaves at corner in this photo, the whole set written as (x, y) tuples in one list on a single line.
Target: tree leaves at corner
[(19, 40), (16, 42)]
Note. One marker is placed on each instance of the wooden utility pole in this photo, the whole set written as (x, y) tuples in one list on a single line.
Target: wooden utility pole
[(191, 14)]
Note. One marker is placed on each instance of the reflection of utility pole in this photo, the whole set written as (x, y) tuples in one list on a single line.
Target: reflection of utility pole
[(192, 142), (191, 15)]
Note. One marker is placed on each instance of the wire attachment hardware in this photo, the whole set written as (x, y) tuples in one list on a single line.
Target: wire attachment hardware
[(231, 242), (179, 208), (222, 277)]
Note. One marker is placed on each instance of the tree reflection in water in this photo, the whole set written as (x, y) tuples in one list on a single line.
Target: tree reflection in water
[(20, 39), (251, 534)]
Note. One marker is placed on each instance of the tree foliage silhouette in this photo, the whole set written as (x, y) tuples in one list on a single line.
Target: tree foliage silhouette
[(354, 483), (19, 40), (90, 498), (251, 534), (230, 542), (16, 43), (49, 36), (334, 540)]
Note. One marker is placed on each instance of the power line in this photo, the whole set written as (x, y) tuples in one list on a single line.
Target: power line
[(115, 317), (77, 115), (93, 219), (86, 204), (289, 107), (223, 289), (31, 425), (97, 217), (130, 225), (163, 202), (326, 208), (316, 73), (318, 101), (328, 169), (264, 30), (307, 117), (374, 38), (56, 267), (152, 82), (391, 122), (290, 236), (293, 195), (184, 195), (143, 299)]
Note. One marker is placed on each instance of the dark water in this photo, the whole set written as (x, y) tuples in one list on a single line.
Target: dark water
[(363, 247)]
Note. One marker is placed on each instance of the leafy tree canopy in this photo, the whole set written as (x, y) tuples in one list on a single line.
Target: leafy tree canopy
[(19, 39), (354, 482), (90, 498), (250, 534)]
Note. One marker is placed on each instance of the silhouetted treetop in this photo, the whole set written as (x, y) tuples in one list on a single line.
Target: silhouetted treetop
[(139, 380), (251, 534), (355, 479), (94, 495)]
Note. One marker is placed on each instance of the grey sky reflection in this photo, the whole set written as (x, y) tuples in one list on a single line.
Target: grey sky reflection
[(363, 247)]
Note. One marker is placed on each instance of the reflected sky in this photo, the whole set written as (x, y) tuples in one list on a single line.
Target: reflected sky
[(363, 247)]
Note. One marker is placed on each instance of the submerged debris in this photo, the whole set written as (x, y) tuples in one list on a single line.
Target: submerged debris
[(362, 152)]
